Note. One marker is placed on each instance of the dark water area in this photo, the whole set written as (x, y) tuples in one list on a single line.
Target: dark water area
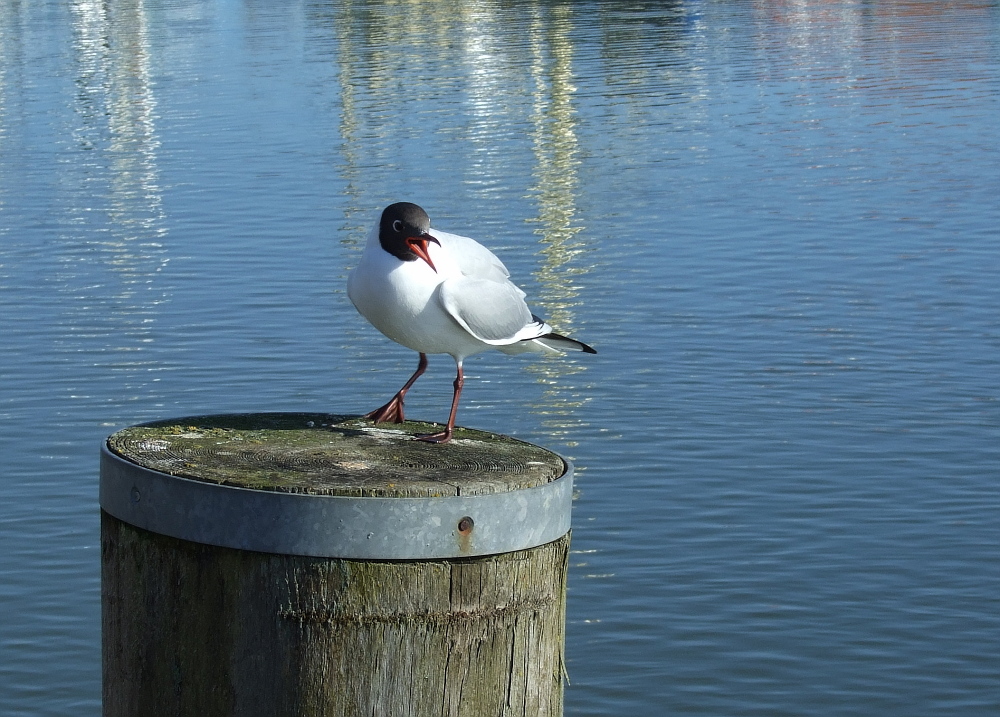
[(778, 224)]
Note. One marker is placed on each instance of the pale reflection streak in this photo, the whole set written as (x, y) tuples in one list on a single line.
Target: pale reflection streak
[(111, 44), (487, 79), (881, 48), (822, 40), (11, 61), (4, 61), (555, 146), (5, 41), (350, 128)]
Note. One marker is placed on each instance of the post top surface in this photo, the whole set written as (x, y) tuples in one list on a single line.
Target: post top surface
[(325, 454)]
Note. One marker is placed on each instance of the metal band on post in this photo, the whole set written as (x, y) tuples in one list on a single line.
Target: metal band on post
[(352, 527)]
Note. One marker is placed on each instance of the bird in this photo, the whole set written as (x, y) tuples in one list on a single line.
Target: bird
[(440, 293)]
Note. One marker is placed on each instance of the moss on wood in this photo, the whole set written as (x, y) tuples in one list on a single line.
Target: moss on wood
[(326, 454)]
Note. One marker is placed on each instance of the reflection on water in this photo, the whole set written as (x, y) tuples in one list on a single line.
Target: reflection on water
[(347, 58), (117, 143), (777, 222), (555, 145), (11, 65)]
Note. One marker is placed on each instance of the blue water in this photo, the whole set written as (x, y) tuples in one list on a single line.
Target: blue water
[(778, 223)]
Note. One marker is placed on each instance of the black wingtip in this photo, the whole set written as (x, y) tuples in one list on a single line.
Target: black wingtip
[(579, 345)]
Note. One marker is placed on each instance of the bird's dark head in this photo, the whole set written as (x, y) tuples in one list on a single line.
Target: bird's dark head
[(403, 232)]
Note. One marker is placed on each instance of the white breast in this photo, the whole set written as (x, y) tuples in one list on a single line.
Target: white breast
[(400, 299)]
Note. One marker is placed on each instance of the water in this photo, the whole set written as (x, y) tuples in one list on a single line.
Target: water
[(777, 223)]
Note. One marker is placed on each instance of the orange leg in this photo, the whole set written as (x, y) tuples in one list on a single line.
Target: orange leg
[(445, 435), (392, 412)]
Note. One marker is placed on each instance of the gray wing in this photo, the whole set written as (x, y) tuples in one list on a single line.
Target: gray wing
[(492, 311), (473, 259)]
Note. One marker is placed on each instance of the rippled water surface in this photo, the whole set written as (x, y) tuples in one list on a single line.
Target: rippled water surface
[(777, 223)]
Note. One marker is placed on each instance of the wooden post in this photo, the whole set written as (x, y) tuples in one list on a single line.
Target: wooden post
[(301, 564)]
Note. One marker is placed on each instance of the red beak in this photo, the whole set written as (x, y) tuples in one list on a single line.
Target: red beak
[(418, 245)]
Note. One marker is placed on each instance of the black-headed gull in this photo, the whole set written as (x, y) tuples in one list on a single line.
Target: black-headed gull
[(440, 293)]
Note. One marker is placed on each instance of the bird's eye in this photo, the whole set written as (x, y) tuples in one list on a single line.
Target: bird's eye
[(397, 226)]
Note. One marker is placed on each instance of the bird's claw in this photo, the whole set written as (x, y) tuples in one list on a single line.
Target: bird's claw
[(391, 412), (440, 437)]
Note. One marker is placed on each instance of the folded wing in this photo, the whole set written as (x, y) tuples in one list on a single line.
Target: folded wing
[(490, 307), (492, 311)]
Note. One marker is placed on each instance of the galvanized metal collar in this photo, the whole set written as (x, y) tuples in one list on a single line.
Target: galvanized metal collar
[(335, 526)]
